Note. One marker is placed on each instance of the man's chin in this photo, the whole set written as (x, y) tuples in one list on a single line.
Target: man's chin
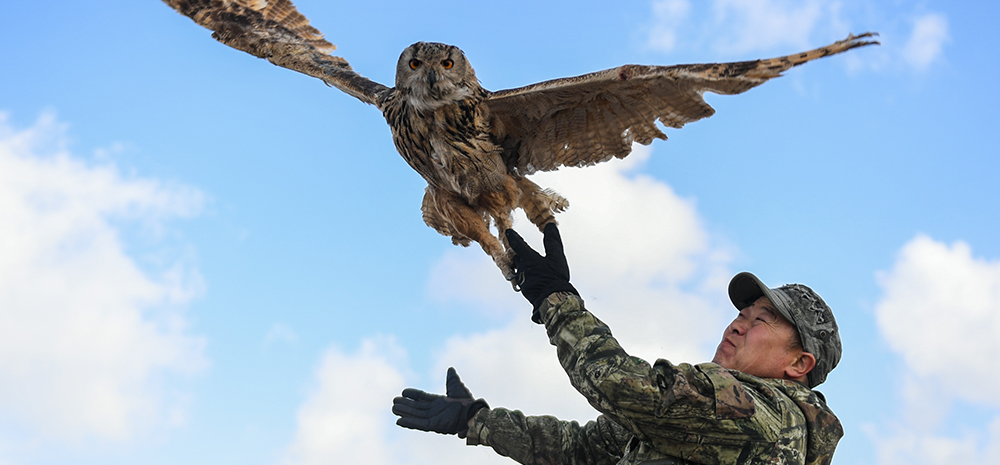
[(724, 354)]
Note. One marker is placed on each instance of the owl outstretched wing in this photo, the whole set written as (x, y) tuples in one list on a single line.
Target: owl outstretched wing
[(588, 119), (275, 30)]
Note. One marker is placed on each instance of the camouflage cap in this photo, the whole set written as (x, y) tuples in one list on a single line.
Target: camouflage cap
[(801, 306)]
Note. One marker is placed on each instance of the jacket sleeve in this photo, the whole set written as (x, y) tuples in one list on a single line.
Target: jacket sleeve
[(680, 408), (532, 440)]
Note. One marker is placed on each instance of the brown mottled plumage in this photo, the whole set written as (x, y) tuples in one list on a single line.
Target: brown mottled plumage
[(475, 147)]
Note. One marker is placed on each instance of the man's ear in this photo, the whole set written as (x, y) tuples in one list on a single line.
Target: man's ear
[(800, 366)]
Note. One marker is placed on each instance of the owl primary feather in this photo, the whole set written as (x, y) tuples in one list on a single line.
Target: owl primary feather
[(474, 147)]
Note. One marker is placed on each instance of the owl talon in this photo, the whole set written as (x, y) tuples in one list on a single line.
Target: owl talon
[(506, 265), (516, 281), (508, 272)]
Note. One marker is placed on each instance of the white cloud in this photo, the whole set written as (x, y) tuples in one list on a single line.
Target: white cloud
[(752, 25), (515, 367), (906, 446), (926, 44), (940, 310), (347, 415), (739, 27), (91, 344), (668, 18)]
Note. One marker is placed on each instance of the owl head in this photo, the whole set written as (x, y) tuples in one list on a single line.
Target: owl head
[(431, 75)]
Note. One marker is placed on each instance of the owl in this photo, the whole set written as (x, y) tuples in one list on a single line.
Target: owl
[(475, 147)]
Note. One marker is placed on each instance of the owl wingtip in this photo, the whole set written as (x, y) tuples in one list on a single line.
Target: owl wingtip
[(857, 40)]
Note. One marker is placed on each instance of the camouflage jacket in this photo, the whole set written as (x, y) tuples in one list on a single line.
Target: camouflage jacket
[(662, 414)]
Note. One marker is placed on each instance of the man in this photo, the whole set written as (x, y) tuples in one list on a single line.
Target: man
[(753, 404)]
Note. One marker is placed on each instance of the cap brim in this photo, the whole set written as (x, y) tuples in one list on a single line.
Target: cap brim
[(745, 289)]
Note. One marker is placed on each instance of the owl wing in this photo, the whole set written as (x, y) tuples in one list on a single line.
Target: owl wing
[(275, 30), (584, 120)]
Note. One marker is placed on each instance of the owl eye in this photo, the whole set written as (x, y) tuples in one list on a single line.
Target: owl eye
[(414, 64), (447, 64)]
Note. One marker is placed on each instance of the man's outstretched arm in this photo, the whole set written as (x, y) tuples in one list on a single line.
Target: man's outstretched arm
[(537, 440), (528, 440), (627, 389)]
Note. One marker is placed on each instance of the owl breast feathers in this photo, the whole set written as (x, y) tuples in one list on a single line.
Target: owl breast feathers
[(474, 147)]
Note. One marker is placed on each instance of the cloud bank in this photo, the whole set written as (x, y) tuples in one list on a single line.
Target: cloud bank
[(346, 417), (92, 344), (940, 311)]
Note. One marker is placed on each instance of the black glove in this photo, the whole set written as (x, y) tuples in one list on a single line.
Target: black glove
[(433, 412), (540, 276)]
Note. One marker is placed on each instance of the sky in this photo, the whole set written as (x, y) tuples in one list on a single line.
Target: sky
[(208, 259)]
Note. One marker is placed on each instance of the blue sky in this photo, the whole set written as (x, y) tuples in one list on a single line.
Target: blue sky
[(210, 259)]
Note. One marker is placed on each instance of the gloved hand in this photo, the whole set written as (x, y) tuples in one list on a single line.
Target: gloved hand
[(540, 276), (433, 412)]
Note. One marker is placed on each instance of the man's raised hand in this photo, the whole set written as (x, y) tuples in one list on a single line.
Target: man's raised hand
[(538, 276)]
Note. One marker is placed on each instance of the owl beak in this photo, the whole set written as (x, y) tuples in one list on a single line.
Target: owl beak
[(431, 78)]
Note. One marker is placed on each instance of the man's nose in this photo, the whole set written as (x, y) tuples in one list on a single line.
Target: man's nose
[(737, 327)]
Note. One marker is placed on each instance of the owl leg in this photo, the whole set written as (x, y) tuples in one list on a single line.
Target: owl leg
[(540, 205), (450, 214), (504, 221), (434, 219), (498, 203)]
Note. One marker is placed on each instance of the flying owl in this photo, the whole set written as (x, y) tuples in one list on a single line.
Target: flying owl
[(475, 147)]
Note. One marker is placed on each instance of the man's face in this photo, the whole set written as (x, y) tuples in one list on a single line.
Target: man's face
[(757, 342)]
